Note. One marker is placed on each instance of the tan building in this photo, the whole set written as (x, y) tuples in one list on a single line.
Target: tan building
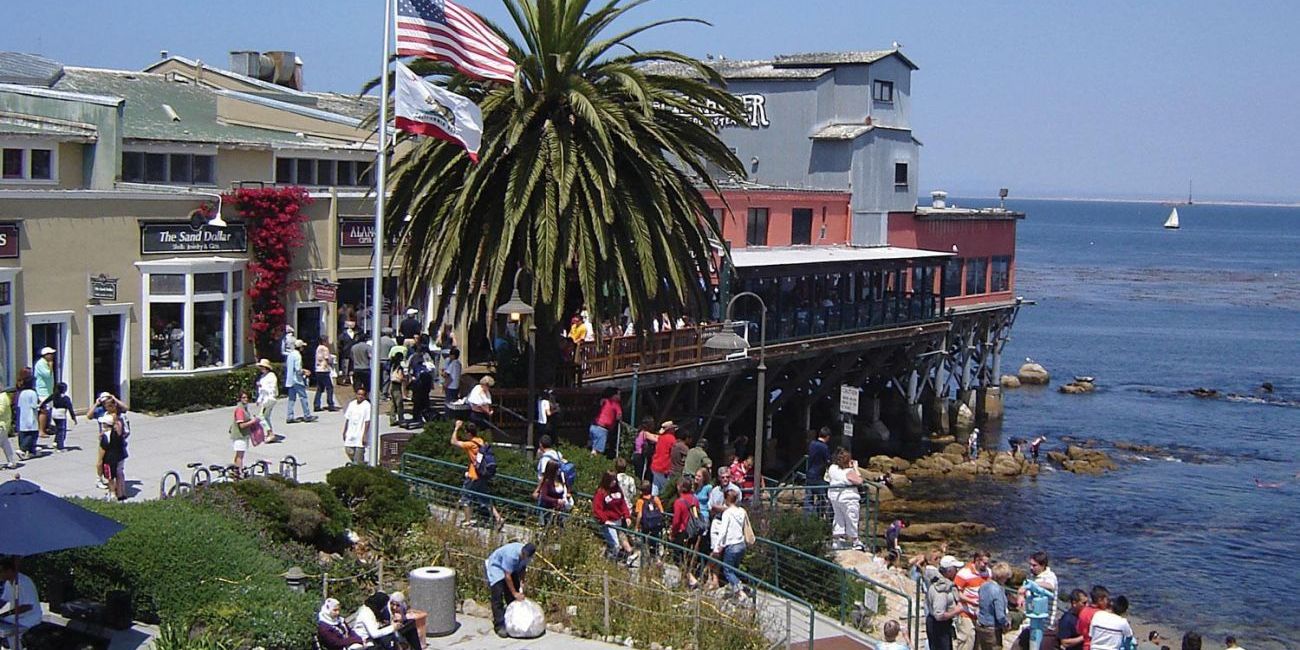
[(102, 256)]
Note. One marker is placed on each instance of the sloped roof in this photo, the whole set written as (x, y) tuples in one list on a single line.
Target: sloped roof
[(840, 58), (783, 66), (359, 107), (29, 69)]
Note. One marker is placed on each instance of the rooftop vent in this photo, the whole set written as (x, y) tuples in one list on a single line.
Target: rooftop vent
[(282, 68), (938, 199)]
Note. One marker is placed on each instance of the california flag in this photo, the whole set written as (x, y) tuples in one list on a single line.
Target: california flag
[(426, 109)]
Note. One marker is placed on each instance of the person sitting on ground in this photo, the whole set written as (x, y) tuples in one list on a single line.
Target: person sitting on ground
[(332, 630), (992, 619), (374, 624), (609, 507), (844, 481), (1109, 629), (20, 604), (1153, 641), (406, 627), (649, 516), (890, 631), (505, 569), (942, 604)]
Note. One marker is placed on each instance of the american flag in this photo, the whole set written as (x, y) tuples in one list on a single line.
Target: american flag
[(445, 31)]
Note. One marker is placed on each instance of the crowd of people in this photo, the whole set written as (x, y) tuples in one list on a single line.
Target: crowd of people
[(383, 622)]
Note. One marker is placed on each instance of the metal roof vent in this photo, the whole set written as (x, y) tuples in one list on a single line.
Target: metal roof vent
[(938, 199)]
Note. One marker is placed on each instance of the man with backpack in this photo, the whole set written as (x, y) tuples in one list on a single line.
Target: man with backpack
[(649, 517), (482, 466)]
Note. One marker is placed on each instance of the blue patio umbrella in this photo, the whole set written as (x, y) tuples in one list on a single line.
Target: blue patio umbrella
[(36, 521)]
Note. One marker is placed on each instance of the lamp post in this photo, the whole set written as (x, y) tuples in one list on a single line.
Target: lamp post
[(516, 309), (727, 339)]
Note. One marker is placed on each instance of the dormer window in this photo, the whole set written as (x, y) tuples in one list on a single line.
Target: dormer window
[(883, 91), (28, 164)]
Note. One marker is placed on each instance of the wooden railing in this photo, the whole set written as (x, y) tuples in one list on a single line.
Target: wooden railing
[(617, 356)]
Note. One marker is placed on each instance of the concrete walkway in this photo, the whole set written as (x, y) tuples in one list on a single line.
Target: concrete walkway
[(160, 444)]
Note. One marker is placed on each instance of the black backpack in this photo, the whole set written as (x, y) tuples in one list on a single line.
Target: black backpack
[(652, 517), (696, 526)]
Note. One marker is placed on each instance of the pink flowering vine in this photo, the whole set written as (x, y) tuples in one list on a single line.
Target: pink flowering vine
[(274, 218)]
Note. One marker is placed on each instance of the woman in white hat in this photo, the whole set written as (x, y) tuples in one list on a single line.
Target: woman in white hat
[(268, 387)]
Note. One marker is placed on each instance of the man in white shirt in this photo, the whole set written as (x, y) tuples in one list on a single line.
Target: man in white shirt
[(1046, 578), (20, 605), (1109, 629), (356, 427)]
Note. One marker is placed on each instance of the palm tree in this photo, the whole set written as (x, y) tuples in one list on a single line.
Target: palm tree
[(590, 172)]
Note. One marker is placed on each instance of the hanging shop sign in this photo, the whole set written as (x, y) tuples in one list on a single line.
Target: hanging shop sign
[(171, 237), (103, 288), (8, 240), (324, 290)]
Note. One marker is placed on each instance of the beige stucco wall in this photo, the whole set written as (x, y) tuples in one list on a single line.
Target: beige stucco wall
[(71, 157), (234, 165)]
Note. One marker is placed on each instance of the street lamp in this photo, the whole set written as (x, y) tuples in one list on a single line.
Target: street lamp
[(727, 339), (516, 309)]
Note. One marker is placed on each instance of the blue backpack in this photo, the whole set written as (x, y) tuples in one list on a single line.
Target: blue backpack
[(487, 463), (570, 473)]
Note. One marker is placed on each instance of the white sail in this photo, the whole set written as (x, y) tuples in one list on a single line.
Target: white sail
[(1172, 221)]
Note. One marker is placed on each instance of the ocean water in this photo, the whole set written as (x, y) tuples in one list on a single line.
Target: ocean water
[(1183, 531)]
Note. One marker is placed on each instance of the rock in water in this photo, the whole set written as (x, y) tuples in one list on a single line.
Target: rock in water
[(1034, 374), (943, 531), (966, 418), (1078, 387), (1009, 381)]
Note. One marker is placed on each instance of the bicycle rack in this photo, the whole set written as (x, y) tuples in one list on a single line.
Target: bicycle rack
[(289, 468)]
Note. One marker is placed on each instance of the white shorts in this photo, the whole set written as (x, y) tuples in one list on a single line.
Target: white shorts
[(240, 445)]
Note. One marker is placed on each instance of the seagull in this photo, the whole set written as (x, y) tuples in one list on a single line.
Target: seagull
[(897, 45), (1028, 360)]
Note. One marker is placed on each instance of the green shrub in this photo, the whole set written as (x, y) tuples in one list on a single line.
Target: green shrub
[(309, 513), (184, 563), (162, 395), (380, 502)]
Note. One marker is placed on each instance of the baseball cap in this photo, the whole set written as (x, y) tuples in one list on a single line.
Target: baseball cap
[(412, 311), (47, 350), (949, 562)]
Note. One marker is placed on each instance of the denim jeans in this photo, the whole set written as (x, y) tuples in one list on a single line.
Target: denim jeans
[(324, 385), (610, 535), (598, 436), (814, 496), (731, 557), (60, 433), (297, 395), (657, 482), (27, 441)]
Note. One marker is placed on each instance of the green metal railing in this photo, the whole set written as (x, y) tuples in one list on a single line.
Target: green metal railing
[(789, 565), (528, 515), (868, 514)]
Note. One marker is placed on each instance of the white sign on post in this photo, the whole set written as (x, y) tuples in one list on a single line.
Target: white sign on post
[(849, 399), (848, 429)]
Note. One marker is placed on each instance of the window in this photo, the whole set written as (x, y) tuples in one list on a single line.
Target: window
[(323, 172), (976, 269), (756, 227), (801, 226), (168, 168), (27, 164), (193, 313), (7, 328), (883, 91), (952, 278), (900, 174), (1001, 275)]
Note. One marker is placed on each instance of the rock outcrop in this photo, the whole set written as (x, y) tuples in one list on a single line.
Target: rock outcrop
[(941, 531), (1009, 381), (1081, 460), (965, 418), (951, 462), (1078, 387), (1033, 374)]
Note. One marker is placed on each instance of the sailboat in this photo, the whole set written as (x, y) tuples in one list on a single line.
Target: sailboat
[(1172, 222)]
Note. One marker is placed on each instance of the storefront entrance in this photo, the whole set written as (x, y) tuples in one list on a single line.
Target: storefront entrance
[(54, 330), (309, 324), (354, 303), (107, 332)]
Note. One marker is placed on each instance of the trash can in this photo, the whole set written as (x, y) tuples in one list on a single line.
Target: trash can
[(433, 590)]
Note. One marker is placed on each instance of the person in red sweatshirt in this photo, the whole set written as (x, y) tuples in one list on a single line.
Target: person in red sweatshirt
[(1100, 600), (661, 464), (609, 506), (685, 508)]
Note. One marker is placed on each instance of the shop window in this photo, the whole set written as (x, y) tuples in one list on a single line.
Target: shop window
[(27, 164), (1000, 274), (168, 169), (952, 278), (883, 91), (976, 270), (194, 314), (756, 227), (801, 226)]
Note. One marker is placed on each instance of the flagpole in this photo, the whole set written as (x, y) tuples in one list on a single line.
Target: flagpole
[(377, 282)]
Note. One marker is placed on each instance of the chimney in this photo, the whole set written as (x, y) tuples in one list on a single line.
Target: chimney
[(938, 199)]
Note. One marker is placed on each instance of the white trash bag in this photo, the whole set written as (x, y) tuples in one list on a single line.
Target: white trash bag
[(524, 619)]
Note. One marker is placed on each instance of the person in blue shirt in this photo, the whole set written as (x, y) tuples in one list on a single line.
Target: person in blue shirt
[(819, 458), (295, 383), (992, 620), (505, 574)]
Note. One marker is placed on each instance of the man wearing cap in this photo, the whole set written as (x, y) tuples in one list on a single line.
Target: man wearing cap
[(661, 464), (409, 328), (43, 371), (295, 384), (288, 341), (942, 605), (505, 575)]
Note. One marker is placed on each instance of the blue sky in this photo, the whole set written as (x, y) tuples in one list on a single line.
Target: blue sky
[(1098, 98)]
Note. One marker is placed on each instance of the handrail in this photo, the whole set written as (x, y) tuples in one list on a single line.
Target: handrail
[(538, 511), (842, 572)]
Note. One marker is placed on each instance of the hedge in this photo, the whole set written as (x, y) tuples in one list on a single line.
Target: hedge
[(187, 564), (381, 503), (184, 394), (309, 513)]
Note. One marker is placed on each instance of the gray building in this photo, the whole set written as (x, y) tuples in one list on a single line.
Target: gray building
[(828, 121)]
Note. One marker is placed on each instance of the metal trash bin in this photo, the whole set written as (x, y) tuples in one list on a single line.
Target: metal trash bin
[(433, 590)]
